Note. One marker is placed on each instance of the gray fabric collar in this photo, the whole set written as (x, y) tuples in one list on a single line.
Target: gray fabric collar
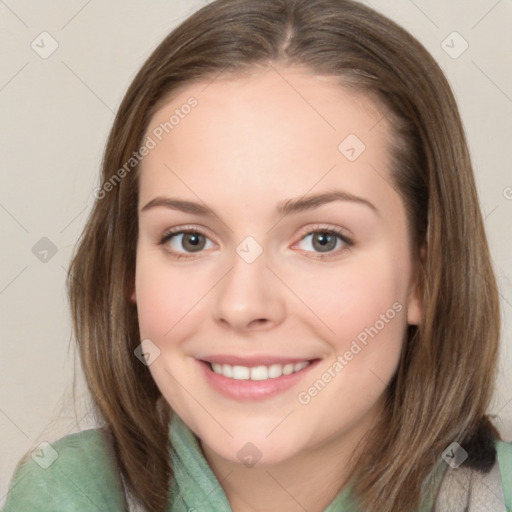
[(467, 490)]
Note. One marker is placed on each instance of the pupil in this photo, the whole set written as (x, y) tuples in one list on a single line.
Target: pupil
[(326, 241), (194, 240)]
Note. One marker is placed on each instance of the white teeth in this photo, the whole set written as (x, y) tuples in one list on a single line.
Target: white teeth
[(288, 368), (258, 372), (241, 373), (227, 370), (299, 366), (275, 370)]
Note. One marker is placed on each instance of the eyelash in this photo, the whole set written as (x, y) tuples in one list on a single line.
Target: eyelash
[(317, 229)]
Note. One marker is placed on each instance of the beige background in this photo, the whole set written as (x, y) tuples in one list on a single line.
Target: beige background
[(55, 116)]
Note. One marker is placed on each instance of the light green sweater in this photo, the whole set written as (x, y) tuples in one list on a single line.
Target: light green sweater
[(84, 477)]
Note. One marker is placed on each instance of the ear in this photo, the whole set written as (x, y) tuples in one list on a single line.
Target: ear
[(414, 306), (133, 296)]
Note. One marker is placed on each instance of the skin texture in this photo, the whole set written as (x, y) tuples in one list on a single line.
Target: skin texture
[(250, 143)]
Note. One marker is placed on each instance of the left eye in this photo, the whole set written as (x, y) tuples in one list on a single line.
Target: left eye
[(326, 240)]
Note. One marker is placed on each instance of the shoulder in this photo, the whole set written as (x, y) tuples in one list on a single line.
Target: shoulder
[(504, 451), (75, 473)]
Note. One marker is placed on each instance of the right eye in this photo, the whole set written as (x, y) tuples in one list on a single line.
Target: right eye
[(179, 243)]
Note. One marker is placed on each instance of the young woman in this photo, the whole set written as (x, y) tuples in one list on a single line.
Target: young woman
[(283, 297)]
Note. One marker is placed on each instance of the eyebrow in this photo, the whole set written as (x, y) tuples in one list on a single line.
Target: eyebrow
[(284, 208)]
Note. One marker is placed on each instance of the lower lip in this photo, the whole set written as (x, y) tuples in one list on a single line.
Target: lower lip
[(253, 389)]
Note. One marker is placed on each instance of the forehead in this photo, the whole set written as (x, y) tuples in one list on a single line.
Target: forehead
[(278, 128)]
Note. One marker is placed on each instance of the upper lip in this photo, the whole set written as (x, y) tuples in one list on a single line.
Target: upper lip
[(263, 360)]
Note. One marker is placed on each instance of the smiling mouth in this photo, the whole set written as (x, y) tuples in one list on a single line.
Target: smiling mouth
[(263, 378), (257, 373)]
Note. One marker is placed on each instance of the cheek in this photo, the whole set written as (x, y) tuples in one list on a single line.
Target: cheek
[(170, 296), (168, 305), (370, 303), (163, 297), (360, 312), (342, 301), (155, 305), (363, 307)]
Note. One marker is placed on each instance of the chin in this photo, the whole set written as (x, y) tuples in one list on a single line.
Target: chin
[(255, 451)]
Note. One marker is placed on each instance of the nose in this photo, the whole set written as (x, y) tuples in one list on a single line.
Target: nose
[(249, 296)]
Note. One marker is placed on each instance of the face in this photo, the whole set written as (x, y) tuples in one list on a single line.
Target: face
[(271, 240)]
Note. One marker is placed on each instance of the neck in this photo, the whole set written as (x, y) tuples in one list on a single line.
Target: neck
[(309, 480)]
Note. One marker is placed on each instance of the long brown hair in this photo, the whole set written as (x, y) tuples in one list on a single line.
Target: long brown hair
[(445, 378)]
